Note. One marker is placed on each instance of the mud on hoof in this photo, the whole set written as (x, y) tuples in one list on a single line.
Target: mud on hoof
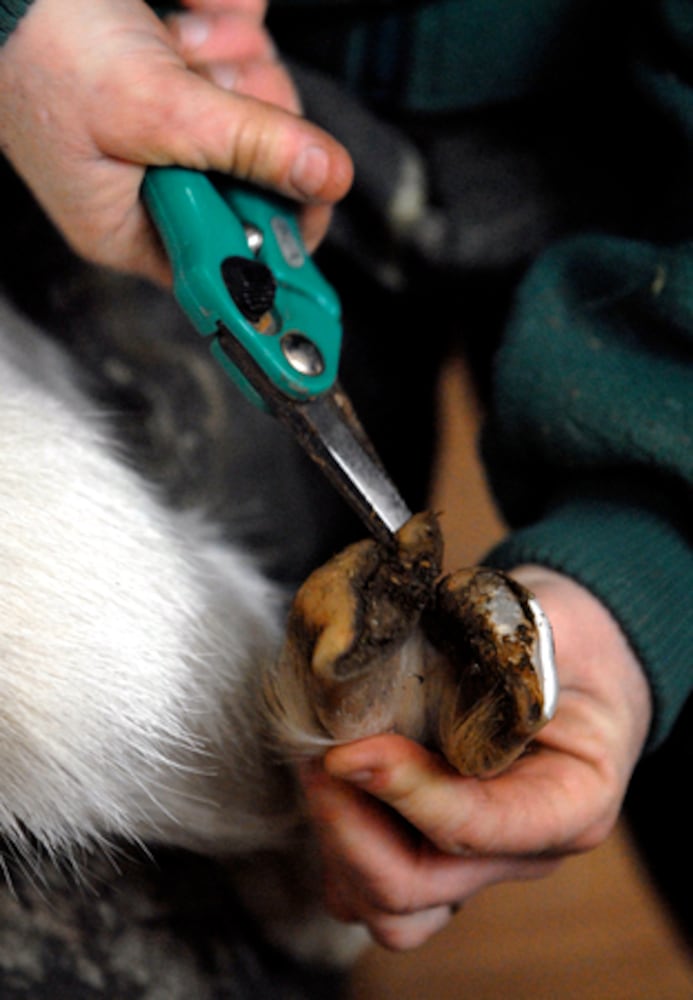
[(377, 642)]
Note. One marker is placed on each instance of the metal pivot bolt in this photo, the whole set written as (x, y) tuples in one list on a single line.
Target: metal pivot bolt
[(302, 354)]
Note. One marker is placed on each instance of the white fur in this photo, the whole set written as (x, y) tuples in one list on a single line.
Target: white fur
[(131, 640), (133, 644)]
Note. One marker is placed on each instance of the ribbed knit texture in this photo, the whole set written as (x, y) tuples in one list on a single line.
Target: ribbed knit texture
[(590, 446), (10, 12)]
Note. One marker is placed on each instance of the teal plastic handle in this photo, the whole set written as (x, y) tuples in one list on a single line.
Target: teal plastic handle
[(205, 221)]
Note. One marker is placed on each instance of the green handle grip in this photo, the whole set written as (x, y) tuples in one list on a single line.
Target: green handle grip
[(209, 226)]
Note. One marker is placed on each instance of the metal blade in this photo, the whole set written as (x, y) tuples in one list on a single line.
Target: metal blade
[(324, 429), (328, 429)]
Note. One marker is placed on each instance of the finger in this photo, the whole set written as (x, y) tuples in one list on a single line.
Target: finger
[(547, 802), (375, 863), (396, 931), (233, 52), (266, 81), (314, 221), (209, 37), (410, 931)]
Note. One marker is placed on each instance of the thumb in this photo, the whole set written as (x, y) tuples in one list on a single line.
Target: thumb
[(174, 116), (542, 805)]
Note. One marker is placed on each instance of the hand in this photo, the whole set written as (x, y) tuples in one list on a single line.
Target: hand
[(403, 879), (225, 41), (93, 91)]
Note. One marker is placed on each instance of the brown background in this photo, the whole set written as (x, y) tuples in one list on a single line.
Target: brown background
[(595, 930)]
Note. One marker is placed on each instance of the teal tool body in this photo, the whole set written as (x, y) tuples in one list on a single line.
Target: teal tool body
[(242, 275)]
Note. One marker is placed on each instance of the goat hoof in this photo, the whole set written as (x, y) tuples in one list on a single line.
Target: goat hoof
[(376, 642)]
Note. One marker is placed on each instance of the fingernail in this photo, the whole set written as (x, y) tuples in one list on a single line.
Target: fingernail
[(309, 172), (192, 30), (223, 75)]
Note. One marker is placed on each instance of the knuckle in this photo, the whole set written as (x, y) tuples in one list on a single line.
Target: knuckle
[(594, 835), (402, 933), (251, 152), (449, 839), (390, 897), (395, 940), (393, 936)]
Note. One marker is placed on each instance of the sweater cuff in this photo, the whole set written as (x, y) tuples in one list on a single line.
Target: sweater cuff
[(10, 13), (639, 565)]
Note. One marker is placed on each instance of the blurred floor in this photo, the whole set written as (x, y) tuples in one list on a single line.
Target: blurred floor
[(594, 930)]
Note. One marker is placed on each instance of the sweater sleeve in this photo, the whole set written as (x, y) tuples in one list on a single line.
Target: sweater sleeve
[(10, 13), (590, 446)]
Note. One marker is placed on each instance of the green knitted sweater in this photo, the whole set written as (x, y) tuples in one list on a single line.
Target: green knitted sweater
[(10, 13), (589, 444)]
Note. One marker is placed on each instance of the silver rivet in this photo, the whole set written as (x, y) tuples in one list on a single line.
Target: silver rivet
[(255, 238), (302, 354)]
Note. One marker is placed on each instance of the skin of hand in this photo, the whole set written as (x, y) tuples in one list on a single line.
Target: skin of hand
[(405, 840), (94, 91)]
